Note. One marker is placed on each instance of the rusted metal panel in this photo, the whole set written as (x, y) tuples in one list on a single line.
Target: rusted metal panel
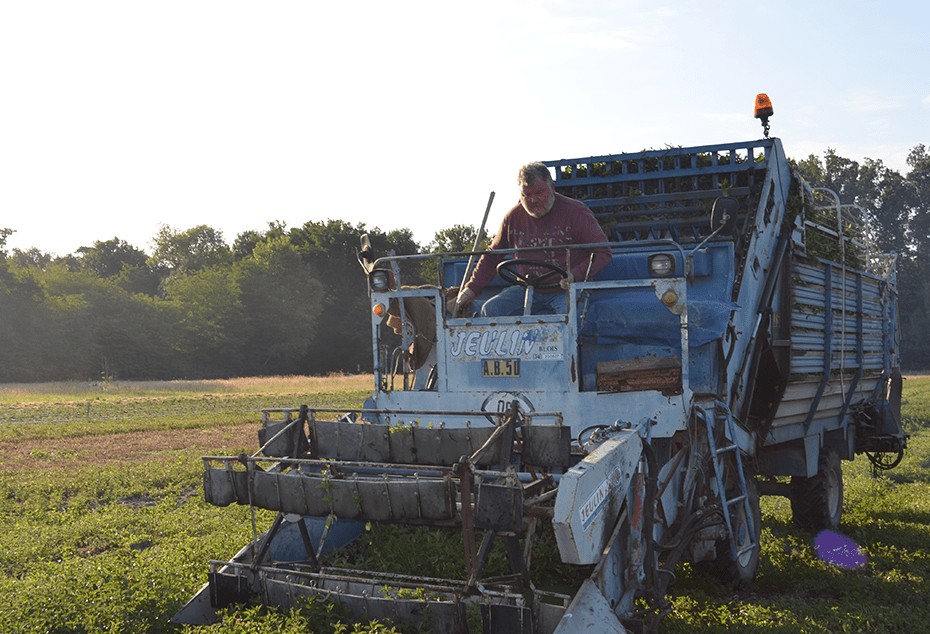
[(662, 374)]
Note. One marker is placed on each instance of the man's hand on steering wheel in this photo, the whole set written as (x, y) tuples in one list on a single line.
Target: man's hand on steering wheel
[(510, 272)]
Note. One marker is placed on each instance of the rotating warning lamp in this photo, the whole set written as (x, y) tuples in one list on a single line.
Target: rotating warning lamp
[(763, 111)]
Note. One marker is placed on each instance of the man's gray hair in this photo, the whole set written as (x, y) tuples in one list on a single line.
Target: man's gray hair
[(533, 173)]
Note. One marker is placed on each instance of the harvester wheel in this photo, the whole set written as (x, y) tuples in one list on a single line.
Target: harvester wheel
[(817, 502), (741, 570)]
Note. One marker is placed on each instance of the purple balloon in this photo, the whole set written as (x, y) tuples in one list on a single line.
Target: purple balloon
[(839, 550)]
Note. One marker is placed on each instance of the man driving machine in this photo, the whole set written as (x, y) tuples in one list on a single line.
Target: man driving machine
[(543, 218)]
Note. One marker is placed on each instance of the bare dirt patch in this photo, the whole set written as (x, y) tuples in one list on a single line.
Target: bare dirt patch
[(75, 453)]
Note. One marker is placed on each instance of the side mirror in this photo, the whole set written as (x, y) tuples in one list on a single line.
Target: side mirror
[(723, 214), (365, 253)]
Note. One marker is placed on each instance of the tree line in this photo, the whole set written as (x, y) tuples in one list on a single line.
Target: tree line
[(294, 300), (278, 301)]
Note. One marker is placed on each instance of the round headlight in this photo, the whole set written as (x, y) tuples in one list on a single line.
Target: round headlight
[(380, 280), (661, 265)]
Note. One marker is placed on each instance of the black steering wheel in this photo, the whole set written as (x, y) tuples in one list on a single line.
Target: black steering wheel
[(510, 273)]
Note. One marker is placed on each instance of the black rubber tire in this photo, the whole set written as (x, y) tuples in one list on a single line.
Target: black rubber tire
[(817, 502), (742, 571)]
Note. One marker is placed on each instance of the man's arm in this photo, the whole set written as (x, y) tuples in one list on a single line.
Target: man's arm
[(484, 272), (486, 268)]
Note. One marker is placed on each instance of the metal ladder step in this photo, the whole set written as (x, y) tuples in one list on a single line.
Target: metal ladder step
[(745, 549), (737, 500), (723, 416)]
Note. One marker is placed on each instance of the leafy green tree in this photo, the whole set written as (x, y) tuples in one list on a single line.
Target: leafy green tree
[(343, 338), (890, 197), (117, 259), (109, 258), (207, 306), (280, 298), (31, 257), (914, 287), (5, 279), (77, 300), (25, 323), (245, 242), (194, 249), (123, 335), (919, 177), (140, 280), (5, 234), (455, 239), (62, 324)]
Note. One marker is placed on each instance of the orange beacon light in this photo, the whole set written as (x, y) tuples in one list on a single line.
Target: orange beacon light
[(763, 111)]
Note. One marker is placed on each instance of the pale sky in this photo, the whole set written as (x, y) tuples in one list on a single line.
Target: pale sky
[(118, 117)]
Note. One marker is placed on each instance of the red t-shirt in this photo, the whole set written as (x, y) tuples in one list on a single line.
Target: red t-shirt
[(568, 222)]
